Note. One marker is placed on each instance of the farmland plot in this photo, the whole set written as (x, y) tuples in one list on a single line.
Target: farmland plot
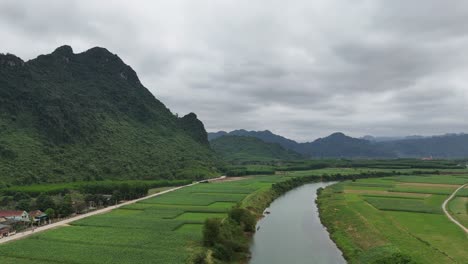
[(161, 229)]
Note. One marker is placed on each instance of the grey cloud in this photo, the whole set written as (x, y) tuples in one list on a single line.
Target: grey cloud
[(303, 69)]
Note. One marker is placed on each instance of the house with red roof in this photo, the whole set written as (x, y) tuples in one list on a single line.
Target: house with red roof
[(15, 215)]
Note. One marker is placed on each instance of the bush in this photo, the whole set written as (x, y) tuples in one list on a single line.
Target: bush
[(211, 231), (395, 258), (244, 218)]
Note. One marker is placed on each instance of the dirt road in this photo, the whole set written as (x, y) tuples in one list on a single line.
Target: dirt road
[(100, 211), (444, 207)]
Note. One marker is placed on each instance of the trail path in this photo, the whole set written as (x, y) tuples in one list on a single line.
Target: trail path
[(96, 212), (444, 207)]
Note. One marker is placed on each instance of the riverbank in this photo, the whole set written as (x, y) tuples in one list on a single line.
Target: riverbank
[(256, 203), (394, 220)]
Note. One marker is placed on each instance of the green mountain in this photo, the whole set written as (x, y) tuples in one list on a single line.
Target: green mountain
[(266, 136), (238, 149), (338, 145), (66, 116)]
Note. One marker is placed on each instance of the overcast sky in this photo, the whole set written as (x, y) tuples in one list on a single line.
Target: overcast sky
[(300, 68)]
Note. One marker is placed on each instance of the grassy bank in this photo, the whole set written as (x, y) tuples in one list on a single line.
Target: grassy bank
[(394, 220)]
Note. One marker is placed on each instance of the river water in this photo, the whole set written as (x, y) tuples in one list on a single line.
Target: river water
[(292, 232)]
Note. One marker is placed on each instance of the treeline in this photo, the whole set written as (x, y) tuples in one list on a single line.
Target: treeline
[(280, 188), (248, 170), (227, 239), (301, 165), (374, 164), (62, 201), (102, 187)]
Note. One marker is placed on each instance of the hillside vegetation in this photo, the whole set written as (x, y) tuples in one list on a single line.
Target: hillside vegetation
[(238, 149), (66, 116)]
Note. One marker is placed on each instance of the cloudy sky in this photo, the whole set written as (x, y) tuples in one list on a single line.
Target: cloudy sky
[(300, 68)]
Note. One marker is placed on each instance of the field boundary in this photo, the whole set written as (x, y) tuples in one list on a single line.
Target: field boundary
[(444, 208)]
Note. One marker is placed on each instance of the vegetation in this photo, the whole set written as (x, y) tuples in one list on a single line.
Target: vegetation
[(213, 222), (394, 219), (238, 150), (166, 228), (242, 170), (226, 237), (81, 195), (80, 117)]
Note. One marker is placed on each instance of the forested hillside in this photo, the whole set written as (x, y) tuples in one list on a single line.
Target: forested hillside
[(66, 116), (238, 149)]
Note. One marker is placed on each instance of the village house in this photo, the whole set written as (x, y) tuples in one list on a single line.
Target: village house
[(4, 230), (38, 217), (19, 216)]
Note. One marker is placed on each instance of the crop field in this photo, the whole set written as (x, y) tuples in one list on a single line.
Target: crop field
[(162, 229), (398, 213), (368, 218)]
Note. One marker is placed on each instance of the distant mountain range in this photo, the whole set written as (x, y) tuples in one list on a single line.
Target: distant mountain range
[(86, 116), (338, 145)]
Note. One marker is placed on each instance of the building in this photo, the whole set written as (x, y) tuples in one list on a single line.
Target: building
[(38, 216), (4, 230), (19, 216)]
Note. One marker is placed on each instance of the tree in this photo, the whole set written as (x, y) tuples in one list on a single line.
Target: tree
[(211, 231), (44, 201), (50, 213), (244, 218), (78, 202), (66, 206), (24, 204)]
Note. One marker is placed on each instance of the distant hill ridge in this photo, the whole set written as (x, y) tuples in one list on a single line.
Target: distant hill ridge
[(239, 149), (338, 145), (81, 116)]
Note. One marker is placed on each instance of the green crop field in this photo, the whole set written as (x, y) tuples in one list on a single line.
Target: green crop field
[(370, 218), (459, 209), (162, 229), (366, 218)]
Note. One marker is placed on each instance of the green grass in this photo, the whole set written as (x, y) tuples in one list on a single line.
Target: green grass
[(406, 205), (458, 208), (367, 223)]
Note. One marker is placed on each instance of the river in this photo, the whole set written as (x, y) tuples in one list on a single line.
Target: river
[(292, 232)]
